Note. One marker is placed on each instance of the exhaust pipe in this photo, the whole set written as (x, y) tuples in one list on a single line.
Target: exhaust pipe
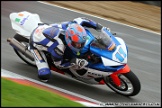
[(17, 45)]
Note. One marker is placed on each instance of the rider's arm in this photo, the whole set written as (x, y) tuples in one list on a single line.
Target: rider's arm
[(88, 23), (62, 25), (47, 36)]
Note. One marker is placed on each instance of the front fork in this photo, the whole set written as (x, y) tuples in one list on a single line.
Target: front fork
[(115, 77)]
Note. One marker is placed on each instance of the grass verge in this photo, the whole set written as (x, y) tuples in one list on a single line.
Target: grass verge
[(17, 95)]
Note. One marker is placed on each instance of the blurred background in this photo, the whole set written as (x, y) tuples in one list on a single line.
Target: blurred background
[(156, 3), (141, 14)]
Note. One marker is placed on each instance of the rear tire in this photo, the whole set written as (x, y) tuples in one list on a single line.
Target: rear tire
[(130, 84), (25, 42)]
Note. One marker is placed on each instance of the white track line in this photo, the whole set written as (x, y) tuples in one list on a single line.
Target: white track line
[(99, 17)]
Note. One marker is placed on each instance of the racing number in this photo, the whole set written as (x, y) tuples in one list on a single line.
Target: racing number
[(120, 55)]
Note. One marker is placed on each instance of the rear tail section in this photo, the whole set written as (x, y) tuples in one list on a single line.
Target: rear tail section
[(24, 22)]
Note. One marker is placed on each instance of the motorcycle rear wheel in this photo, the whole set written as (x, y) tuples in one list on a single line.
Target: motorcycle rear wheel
[(130, 84), (25, 42)]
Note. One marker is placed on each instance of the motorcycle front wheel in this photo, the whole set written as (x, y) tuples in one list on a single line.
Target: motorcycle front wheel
[(130, 84)]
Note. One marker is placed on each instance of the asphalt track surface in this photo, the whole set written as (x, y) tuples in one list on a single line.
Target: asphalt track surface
[(144, 55)]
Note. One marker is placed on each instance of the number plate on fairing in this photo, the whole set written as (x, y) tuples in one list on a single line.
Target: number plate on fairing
[(119, 57)]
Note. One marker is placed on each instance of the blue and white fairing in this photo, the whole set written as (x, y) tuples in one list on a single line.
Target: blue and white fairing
[(112, 50)]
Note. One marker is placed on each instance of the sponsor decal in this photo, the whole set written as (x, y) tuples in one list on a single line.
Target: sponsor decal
[(111, 47), (38, 55), (39, 30), (17, 20), (91, 74), (23, 21), (20, 14)]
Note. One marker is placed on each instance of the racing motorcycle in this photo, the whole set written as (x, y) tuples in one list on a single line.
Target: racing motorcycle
[(107, 65)]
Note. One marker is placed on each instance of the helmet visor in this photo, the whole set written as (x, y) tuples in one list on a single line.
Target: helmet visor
[(77, 45)]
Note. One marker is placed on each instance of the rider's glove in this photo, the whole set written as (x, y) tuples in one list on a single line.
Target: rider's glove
[(58, 64), (105, 28), (80, 62)]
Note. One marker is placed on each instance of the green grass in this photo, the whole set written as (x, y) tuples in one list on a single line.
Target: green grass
[(17, 95)]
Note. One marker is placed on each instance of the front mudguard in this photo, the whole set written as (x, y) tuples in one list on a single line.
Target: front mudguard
[(115, 77)]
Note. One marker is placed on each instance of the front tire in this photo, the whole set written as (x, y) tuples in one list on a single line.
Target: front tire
[(130, 84)]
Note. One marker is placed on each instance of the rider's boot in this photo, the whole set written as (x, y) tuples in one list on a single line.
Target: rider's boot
[(44, 72)]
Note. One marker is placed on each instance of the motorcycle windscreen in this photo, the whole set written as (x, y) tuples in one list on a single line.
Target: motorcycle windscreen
[(116, 56), (105, 42)]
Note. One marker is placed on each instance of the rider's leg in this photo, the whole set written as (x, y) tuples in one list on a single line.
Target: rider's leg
[(40, 59), (42, 65)]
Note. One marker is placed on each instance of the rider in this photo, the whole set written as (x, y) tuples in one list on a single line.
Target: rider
[(55, 38)]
